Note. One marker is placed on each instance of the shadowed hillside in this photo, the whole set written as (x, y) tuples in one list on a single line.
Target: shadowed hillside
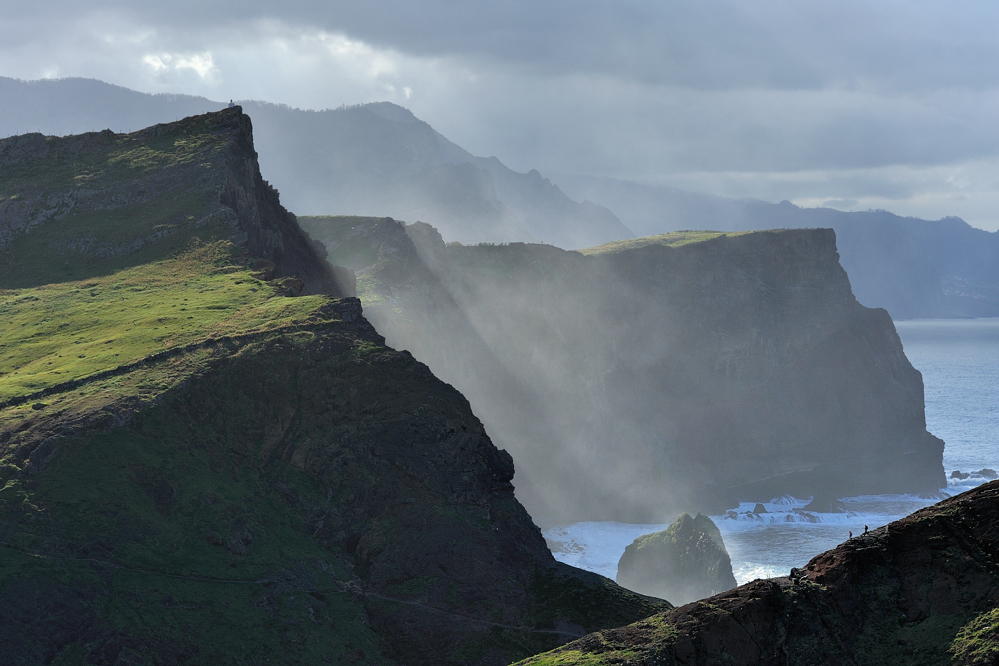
[(208, 455)]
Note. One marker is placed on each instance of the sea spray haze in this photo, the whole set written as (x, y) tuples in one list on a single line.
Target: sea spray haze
[(638, 379)]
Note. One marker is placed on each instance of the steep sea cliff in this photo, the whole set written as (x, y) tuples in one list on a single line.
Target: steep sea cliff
[(642, 378)]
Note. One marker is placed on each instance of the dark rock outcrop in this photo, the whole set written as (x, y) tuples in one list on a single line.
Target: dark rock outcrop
[(99, 202), (683, 563), (825, 504), (660, 379), (921, 590)]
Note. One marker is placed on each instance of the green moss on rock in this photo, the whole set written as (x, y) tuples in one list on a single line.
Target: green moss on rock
[(685, 562)]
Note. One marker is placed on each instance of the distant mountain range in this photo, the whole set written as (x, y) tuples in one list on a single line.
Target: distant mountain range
[(371, 159), (381, 160)]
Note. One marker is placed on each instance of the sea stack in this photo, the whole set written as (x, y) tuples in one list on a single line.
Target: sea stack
[(685, 562)]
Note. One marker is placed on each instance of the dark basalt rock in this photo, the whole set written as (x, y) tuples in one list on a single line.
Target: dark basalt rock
[(825, 504), (921, 590), (684, 562)]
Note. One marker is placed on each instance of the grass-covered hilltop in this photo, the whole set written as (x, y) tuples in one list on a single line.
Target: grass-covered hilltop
[(207, 454)]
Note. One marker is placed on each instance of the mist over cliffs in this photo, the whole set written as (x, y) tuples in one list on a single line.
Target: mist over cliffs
[(648, 377), (210, 410)]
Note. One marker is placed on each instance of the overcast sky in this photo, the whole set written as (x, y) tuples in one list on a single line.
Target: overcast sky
[(854, 105)]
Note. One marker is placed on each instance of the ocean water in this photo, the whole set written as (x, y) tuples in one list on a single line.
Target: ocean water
[(959, 360)]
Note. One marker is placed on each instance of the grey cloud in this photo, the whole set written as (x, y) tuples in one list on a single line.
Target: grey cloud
[(841, 204), (729, 91), (732, 43)]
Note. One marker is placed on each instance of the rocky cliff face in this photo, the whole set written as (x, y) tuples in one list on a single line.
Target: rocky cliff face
[(683, 563), (922, 590), (84, 205), (661, 379), (196, 468)]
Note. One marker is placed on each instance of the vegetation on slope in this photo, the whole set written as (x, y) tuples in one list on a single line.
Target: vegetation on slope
[(150, 540), (68, 331), (672, 239), (87, 206), (196, 467), (278, 486)]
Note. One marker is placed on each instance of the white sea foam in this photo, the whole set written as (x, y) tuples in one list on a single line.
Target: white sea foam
[(595, 546), (761, 545)]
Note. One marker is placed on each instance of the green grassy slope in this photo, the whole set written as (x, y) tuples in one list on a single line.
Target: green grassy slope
[(672, 239), (67, 331), (151, 537), (173, 537), (275, 487), (80, 207)]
